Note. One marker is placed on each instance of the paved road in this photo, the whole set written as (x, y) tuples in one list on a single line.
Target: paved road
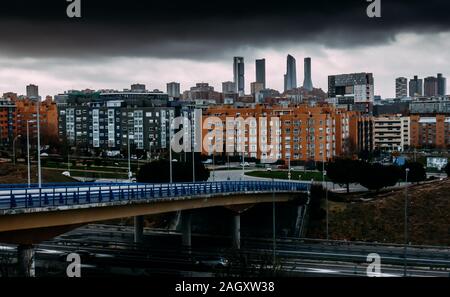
[(111, 246)]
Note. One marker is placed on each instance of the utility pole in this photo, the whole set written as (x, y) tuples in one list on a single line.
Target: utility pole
[(325, 188), (170, 148), (129, 153), (38, 119), (14, 148), (273, 222), (214, 169), (406, 224), (193, 147), (68, 159), (28, 153)]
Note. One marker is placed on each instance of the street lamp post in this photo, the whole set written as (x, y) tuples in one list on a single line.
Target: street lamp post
[(193, 147), (28, 154), (68, 160), (273, 222), (38, 120), (14, 148), (406, 222), (214, 170), (170, 149), (129, 154), (326, 194), (289, 167)]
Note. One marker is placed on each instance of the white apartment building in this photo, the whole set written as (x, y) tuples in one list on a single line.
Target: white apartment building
[(391, 133)]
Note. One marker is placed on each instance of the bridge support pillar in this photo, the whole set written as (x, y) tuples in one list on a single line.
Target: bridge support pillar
[(236, 236), (25, 260), (186, 217), (138, 229)]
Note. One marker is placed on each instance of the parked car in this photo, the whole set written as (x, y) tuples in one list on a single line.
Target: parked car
[(212, 261), (245, 164), (269, 169)]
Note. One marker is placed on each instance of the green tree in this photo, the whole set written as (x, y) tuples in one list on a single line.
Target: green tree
[(317, 194), (416, 172), (343, 172), (377, 176)]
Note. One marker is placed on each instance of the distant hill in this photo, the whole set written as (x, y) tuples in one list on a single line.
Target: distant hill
[(382, 219)]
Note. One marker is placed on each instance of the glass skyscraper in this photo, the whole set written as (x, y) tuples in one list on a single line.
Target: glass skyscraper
[(261, 72), (238, 73), (290, 78)]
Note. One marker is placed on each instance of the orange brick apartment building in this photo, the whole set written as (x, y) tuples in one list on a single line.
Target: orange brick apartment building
[(305, 133), (26, 110), (430, 131)]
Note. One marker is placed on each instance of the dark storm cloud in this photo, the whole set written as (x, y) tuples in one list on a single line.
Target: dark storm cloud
[(204, 29)]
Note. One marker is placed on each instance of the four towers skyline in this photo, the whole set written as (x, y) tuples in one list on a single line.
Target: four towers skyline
[(290, 78)]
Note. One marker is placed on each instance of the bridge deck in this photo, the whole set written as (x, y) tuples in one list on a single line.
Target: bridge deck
[(16, 197)]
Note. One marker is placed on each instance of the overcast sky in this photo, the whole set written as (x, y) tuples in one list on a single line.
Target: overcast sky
[(117, 43)]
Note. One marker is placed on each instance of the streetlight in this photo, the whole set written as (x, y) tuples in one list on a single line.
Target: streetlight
[(193, 147), (170, 147), (406, 222), (129, 154), (289, 167), (39, 143), (273, 222), (14, 148), (28, 154), (326, 193)]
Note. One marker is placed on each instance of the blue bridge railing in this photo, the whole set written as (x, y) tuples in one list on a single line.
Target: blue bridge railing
[(15, 197)]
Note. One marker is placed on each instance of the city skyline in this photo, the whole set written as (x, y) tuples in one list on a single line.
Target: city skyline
[(51, 85), (98, 51)]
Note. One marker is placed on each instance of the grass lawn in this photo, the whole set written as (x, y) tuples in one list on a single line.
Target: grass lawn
[(295, 175), (98, 174), (18, 174), (52, 176)]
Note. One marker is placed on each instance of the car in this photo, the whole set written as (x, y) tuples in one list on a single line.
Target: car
[(268, 169), (84, 255), (212, 261), (66, 173), (245, 164)]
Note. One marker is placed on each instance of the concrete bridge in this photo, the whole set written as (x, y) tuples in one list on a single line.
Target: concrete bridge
[(30, 215)]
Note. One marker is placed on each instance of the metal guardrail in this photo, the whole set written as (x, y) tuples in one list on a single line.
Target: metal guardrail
[(52, 185), (81, 194)]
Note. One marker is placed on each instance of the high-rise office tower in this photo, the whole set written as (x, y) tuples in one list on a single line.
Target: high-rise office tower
[(431, 86), (401, 87), (173, 89), (307, 81), (415, 87), (239, 78), (290, 78), (442, 85), (228, 87), (32, 91), (351, 88), (261, 71)]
